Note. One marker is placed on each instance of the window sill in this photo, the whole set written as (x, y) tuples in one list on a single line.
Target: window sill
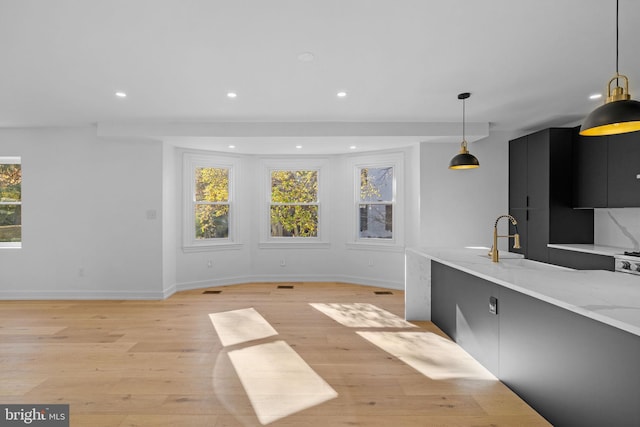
[(294, 245), (7, 245), (383, 247), (212, 247)]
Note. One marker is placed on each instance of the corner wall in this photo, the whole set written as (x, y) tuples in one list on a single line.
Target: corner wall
[(458, 207)]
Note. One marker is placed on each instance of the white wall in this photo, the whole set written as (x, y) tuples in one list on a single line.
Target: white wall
[(86, 203), (458, 208), (89, 231)]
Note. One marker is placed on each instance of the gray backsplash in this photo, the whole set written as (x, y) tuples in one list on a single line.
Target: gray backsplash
[(617, 227)]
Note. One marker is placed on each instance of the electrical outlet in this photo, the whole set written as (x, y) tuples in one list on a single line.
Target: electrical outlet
[(210, 263), (283, 263)]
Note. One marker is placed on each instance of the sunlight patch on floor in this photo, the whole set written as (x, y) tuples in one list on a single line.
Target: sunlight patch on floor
[(361, 315), (431, 355), (239, 326), (278, 381)]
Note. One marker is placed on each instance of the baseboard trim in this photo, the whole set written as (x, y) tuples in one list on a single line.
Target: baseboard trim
[(35, 295), (364, 281)]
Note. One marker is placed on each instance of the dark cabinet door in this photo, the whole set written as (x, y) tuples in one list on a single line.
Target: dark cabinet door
[(581, 260), (624, 170), (538, 235), (518, 194), (518, 173), (590, 172), (538, 166), (538, 170), (521, 218)]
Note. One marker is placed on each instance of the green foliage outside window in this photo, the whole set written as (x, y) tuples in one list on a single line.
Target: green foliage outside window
[(212, 203), (10, 203), (294, 203)]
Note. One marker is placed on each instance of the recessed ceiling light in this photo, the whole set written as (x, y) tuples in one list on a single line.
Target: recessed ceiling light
[(595, 96), (298, 147), (121, 94), (306, 57), (341, 94), (353, 147), (232, 146), (231, 95)]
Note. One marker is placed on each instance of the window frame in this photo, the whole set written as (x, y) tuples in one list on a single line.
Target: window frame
[(396, 161), (298, 164), (191, 162), (14, 160)]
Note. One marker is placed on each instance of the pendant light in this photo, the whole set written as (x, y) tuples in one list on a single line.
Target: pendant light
[(619, 114), (464, 159)]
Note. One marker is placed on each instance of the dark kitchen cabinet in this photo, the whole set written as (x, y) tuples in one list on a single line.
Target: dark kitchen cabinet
[(572, 369), (541, 193), (590, 172), (623, 165), (518, 194), (607, 171), (581, 260)]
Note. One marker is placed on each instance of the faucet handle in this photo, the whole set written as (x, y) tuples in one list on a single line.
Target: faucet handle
[(516, 241)]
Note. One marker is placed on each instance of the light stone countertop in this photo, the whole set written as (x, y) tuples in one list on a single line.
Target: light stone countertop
[(609, 297)]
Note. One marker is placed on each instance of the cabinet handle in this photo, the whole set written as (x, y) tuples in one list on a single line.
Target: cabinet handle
[(527, 216), (527, 201)]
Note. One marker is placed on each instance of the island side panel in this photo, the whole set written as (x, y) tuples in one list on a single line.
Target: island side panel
[(461, 310), (417, 287), (573, 370)]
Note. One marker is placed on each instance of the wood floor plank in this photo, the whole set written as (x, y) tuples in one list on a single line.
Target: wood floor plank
[(161, 363)]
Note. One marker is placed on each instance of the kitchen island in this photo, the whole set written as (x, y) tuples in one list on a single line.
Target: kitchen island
[(567, 341)]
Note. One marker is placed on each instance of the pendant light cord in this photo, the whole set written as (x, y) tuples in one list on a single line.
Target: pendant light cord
[(617, 38), (464, 139)]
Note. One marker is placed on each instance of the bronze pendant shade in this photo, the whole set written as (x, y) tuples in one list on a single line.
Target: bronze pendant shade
[(464, 159), (619, 114)]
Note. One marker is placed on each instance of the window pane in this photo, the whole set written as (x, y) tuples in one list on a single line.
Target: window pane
[(212, 221), (10, 223), (10, 200), (294, 221), (376, 221), (10, 182), (376, 184), (212, 185), (294, 186)]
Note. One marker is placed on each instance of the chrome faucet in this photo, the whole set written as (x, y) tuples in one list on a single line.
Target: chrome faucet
[(493, 253)]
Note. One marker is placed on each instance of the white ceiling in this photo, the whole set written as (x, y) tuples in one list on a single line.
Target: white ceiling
[(528, 65)]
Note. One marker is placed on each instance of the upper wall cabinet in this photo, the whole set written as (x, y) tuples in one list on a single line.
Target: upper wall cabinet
[(540, 193), (623, 186), (590, 178), (607, 171)]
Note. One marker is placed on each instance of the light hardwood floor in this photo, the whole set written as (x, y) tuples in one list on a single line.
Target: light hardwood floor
[(161, 363)]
